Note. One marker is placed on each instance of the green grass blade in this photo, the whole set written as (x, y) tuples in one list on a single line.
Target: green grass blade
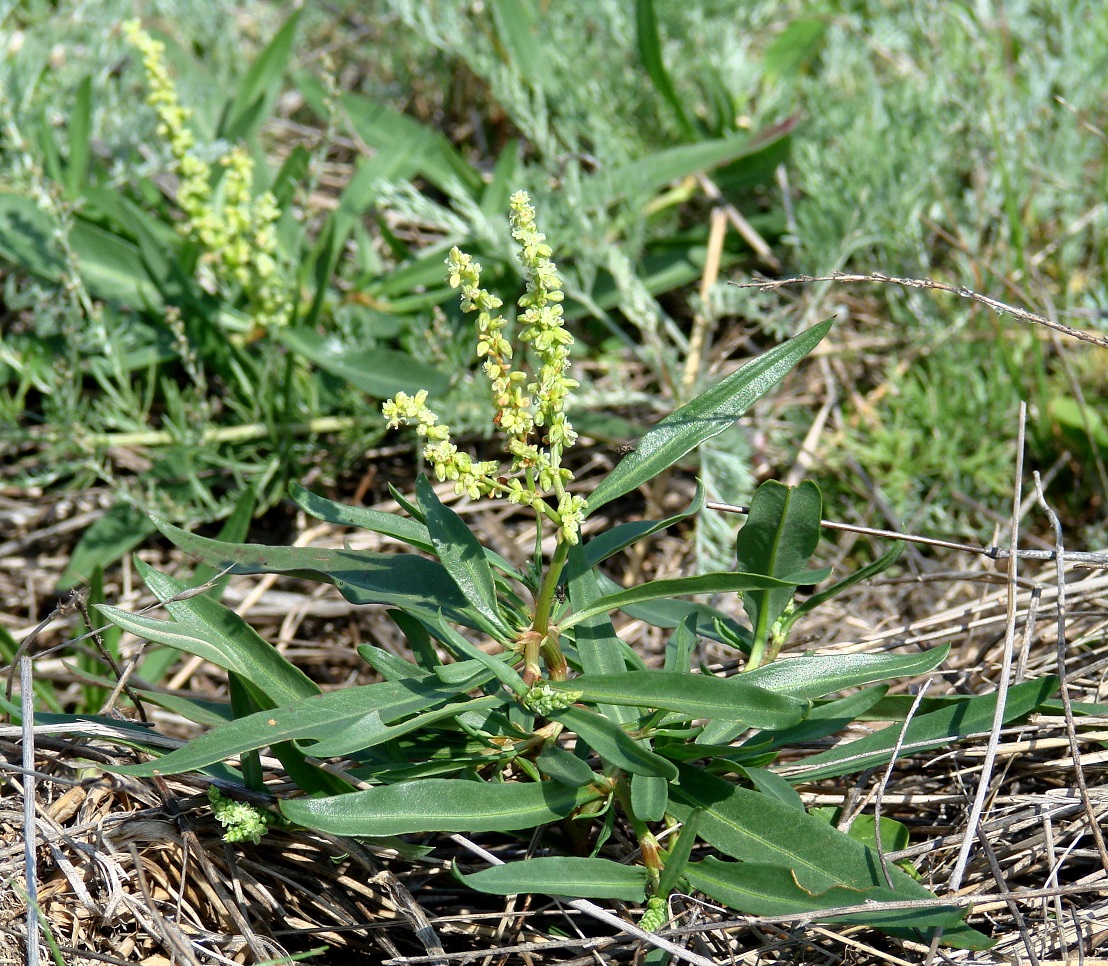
[(706, 416), (650, 53), (698, 695), (257, 91), (439, 805), (80, 129), (377, 372), (562, 875)]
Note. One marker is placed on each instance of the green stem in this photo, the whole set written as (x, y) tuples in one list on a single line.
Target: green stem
[(545, 601)]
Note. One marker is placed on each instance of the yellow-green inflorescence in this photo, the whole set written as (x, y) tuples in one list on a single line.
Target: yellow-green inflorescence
[(236, 231), (523, 408)]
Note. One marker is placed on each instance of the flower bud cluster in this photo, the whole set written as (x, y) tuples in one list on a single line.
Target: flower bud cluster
[(236, 231), (522, 407), (242, 822)]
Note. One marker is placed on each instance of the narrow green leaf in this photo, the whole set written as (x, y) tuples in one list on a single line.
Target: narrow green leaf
[(562, 875), (718, 583), (792, 48), (706, 416), (521, 37), (680, 849), (598, 647), (649, 797), (614, 745), (650, 53), (697, 695), (778, 539), (80, 129), (28, 238), (461, 554), (378, 372), (814, 677), (564, 766), (938, 729), (623, 535), (762, 831), (439, 805), (825, 719), (758, 889), (371, 730), (412, 583), (495, 664), (259, 87), (315, 717), (879, 566), (241, 649), (680, 647), (405, 529)]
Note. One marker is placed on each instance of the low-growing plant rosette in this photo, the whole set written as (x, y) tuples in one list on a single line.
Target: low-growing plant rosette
[(522, 707)]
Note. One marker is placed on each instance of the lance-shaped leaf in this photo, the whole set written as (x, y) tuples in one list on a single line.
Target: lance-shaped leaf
[(318, 717), (778, 539), (440, 805), (405, 529), (706, 416), (718, 583), (412, 583), (772, 890), (615, 745), (814, 677), (623, 535), (937, 729), (697, 695), (758, 829), (220, 627), (562, 875), (461, 554)]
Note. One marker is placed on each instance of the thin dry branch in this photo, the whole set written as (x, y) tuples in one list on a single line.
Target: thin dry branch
[(1001, 308)]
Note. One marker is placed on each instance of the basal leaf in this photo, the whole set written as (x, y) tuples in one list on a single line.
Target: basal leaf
[(439, 805), (562, 875), (771, 890)]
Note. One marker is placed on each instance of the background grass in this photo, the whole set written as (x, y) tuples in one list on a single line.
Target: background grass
[(926, 139)]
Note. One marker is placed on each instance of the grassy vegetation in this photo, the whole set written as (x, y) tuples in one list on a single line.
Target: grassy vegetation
[(219, 255)]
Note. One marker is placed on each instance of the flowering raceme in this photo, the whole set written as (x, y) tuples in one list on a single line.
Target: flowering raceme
[(522, 407), (235, 230)]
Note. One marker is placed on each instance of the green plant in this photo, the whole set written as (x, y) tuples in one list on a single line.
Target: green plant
[(522, 707)]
